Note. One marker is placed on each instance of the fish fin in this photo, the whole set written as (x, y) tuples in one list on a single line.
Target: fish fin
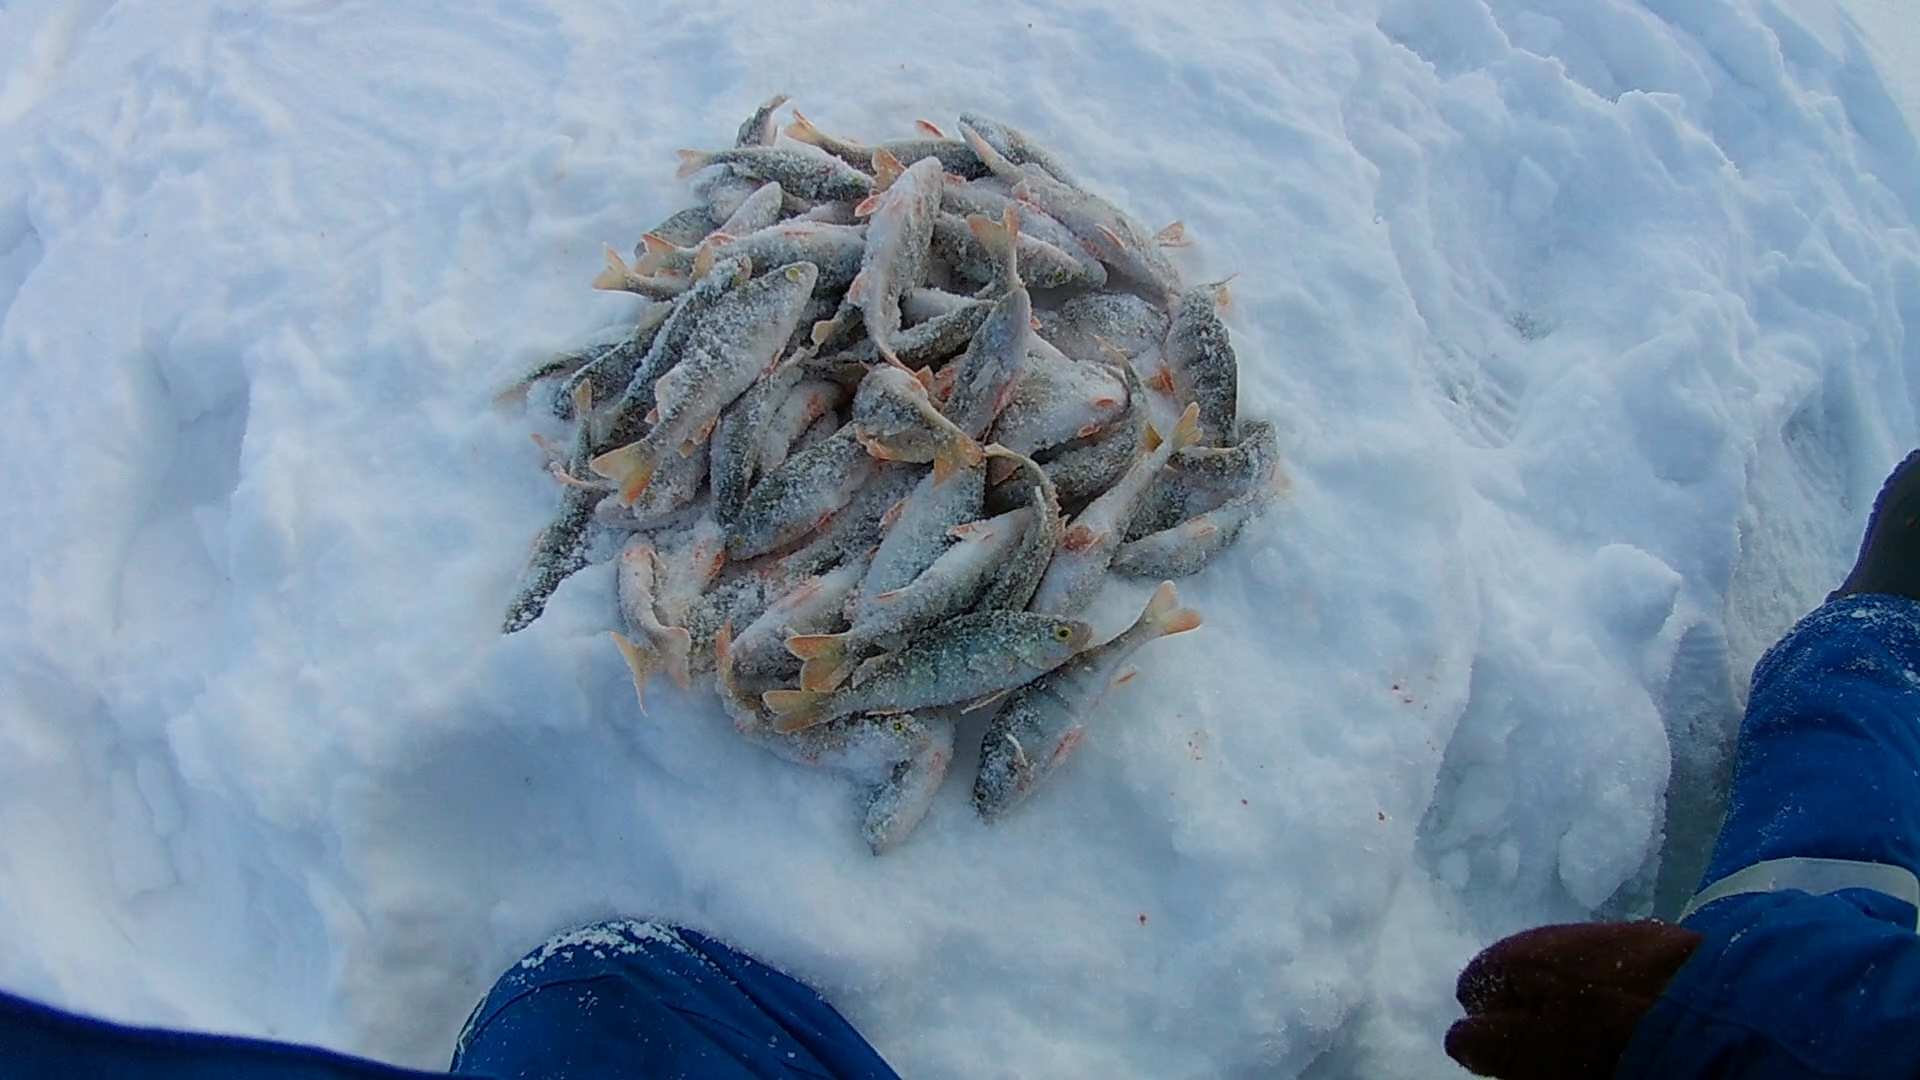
[(654, 251), (926, 377), (1165, 614), (1126, 677), (815, 646), (1222, 297), (1081, 537), (583, 399), (691, 161), (614, 277), (823, 330), (982, 703), (631, 466), (801, 129), (567, 479), (1112, 237), (893, 514), (886, 170), (1153, 439), (992, 158), (1161, 380), (1065, 746), (703, 259), (678, 648), (1187, 432), (929, 128), (868, 205), (796, 709), (955, 454), (824, 674), (1000, 239), (1174, 235), (640, 663)]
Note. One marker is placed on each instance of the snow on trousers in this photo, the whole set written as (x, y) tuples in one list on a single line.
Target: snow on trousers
[(1788, 984), (616, 1000)]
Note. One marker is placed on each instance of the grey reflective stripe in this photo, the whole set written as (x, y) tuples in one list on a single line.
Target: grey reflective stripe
[(1815, 876)]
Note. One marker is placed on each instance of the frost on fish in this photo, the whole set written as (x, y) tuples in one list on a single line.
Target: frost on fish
[(684, 229), (952, 155), (655, 646), (760, 210), (950, 585), (834, 250), (1015, 146), (920, 531), (1021, 571), (799, 496), (1199, 357), (1083, 326), (899, 232), (561, 548), (985, 375), (1081, 470), (761, 128), (1086, 550), (805, 171), (1058, 400), (731, 345), (1042, 265), (896, 421), (1107, 232), (625, 419), (1200, 478), (964, 660), (1043, 721)]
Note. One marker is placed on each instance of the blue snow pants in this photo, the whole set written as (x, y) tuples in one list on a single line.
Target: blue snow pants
[(615, 1000), (1788, 983)]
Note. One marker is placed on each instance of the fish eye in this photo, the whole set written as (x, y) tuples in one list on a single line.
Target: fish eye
[(1063, 633)]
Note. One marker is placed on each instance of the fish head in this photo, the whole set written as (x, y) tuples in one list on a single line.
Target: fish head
[(1005, 775), (1058, 640)]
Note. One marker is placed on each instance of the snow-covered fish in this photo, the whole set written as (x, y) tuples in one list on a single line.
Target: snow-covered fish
[(834, 250), (799, 496), (1022, 570), (970, 658), (986, 374), (1043, 721), (659, 647), (1087, 549), (760, 210), (1014, 145), (1058, 400), (799, 169), (736, 340), (761, 129), (949, 586), (1188, 547), (952, 155), (1104, 229), (1201, 363), (896, 421), (625, 420), (899, 235), (1042, 265)]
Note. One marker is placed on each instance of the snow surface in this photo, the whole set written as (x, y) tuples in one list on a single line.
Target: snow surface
[(1585, 324)]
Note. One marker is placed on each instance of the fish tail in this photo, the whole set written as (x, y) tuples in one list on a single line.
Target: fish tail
[(826, 664), (676, 645), (614, 277), (654, 252), (1165, 614), (641, 660), (1002, 241), (796, 709), (631, 466), (691, 161), (802, 130), (1187, 432), (886, 169), (993, 159)]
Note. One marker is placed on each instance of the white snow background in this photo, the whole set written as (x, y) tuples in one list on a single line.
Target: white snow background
[(1586, 325)]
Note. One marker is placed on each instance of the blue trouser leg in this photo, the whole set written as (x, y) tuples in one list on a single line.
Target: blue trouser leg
[(632, 998)]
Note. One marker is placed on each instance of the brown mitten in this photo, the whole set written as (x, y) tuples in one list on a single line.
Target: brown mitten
[(1561, 1002)]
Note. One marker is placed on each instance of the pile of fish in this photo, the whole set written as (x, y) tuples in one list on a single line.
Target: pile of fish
[(888, 418)]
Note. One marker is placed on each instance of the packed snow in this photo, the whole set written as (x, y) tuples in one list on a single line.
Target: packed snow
[(1585, 325)]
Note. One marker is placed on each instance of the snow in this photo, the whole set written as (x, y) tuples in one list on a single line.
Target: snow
[(1584, 324)]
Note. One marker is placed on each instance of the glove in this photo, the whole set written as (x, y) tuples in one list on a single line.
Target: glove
[(1561, 1002)]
